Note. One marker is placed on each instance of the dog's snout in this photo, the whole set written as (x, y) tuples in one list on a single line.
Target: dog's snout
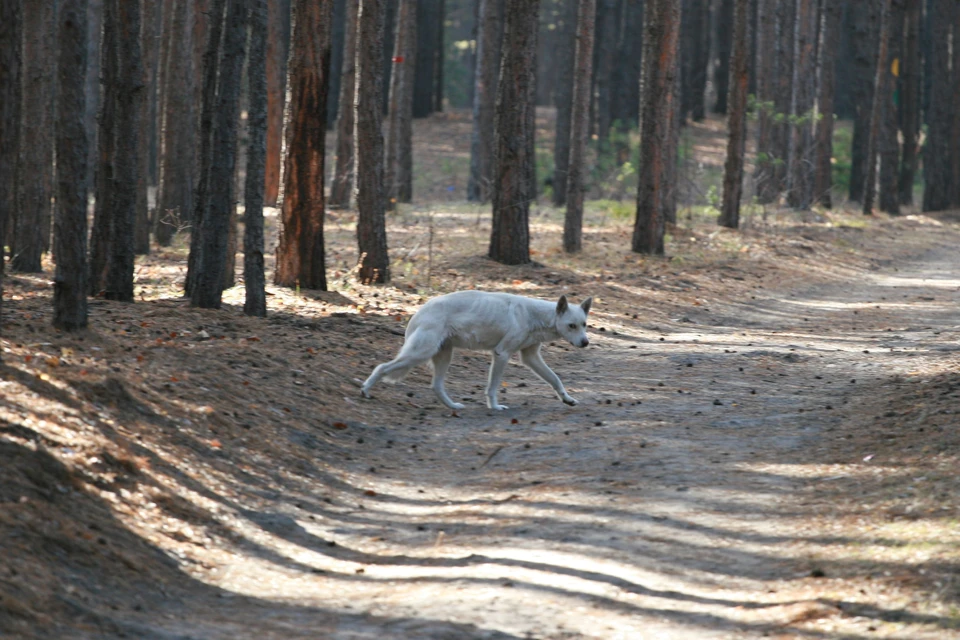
[(584, 342)]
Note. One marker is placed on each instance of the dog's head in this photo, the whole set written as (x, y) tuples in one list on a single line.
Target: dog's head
[(571, 322)]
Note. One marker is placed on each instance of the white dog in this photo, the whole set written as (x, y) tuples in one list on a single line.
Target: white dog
[(497, 322)]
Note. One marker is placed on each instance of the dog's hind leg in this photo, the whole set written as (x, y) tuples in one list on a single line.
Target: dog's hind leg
[(417, 350), (441, 362), (532, 358)]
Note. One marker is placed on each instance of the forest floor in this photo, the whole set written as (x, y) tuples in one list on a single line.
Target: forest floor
[(767, 446)]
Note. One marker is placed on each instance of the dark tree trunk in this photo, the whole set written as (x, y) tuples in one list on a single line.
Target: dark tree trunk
[(399, 163), (863, 19), (880, 82), (31, 224), (832, 21), (937, 152), (176, 203), (389, 26), (219, 208), (484, 100), (783, 94), (371, 225), (11, 37), (438, 72), (70, 225), (92, 85), (888, 145), (337, 36), (737, 123), (150, 38), (724, 32), (255, 301), (300, 254), (802, 161), (580, 123), (343, 172), (955, 123), (626, 85), (106, 152), (658, 117), (606, 45), (513, 135), (766, 64), (278, 49), (208, 107), (694, 57), (910, 94), (428, 46), (564, 100)]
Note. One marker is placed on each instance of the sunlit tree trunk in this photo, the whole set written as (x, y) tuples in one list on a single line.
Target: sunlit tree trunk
[(830, 44), (278, 48)]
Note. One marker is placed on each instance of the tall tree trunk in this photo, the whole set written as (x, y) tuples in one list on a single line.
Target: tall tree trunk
[(208, 107), (800, 189), (300, 254), (937, 151), (70, 223), (219, 208), (626, 85), (831, 23), (438, 71), (864, 38), (783, 102), (721, 73), (343, 172), (176, 201), (881, 80), (31, 224), (106, 142), (888, 144), (484, 100), (425, 81), (399, 171), (694, 57), (910, 93), (371, 225), (255, 300), (657, 118), (337, 36), (606, 45), (955, 121), (580, 123), (149, 38), (766, 64), (92, 86), (513, 134), (278, 49), (11, 38), (737, 122)]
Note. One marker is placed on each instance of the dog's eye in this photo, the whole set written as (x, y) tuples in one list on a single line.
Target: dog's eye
[(573, 325)]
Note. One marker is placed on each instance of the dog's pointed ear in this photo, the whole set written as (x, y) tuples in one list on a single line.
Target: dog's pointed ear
[(562, 305), (585, 305)]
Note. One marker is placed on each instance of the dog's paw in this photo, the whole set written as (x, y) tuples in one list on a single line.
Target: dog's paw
[(499, 407), (456, 406), (570, 401), (365, 393)]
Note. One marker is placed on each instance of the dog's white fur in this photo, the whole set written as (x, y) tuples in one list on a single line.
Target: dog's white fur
[(497, 322)]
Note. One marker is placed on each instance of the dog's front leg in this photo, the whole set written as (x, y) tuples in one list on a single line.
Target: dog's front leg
[(500, 359), (532, 358)]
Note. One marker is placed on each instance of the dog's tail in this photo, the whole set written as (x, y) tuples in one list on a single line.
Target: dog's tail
[(418, 348)]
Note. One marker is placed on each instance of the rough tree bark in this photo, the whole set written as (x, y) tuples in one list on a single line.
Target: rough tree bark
[(371, 226), (300, 254), (888, 146), (214, 227), (800, 188), (255, 300), (343, 172), (399, 162), (737, 122), (513, 135), (937, 151), (783, 95), (881, 80), (580, 124), (863, 37), (278, 49), (11, 25), (657, 114), (70, 222), (31, 224), (831, 23), (910, 72), (484, 101)]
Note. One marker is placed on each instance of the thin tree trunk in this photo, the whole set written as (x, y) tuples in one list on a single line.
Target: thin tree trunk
[(626, 103), (337, 35), (863, 18), (11, 37), (832, 21), (721, 73), (573, 222), (214, 227), (606, 45), (484, 101), (657, 116), (800, 189), (149, 38), (371, 225), (106, 141), (70, 223), (255, 301), (278, 49), (92, 86), (425, 80), (880, 82), (31, 224), (737, 122), (694, 57), (888, 145), (438, 74), (513, 157), (343, 173), (766, 64), (300, 254), (937, 151), (910, 72), (398, 177), (783, 102)]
